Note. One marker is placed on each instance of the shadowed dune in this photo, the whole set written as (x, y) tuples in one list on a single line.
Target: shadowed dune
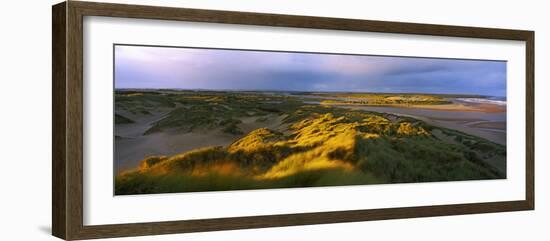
[(323, 146)]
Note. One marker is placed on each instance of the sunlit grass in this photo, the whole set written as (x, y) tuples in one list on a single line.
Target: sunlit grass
[(385, 99), (324, 146)]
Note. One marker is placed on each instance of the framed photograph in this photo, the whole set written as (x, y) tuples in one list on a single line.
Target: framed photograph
[(171, 120)]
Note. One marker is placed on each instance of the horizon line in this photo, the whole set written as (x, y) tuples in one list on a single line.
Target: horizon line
[(308, 91)]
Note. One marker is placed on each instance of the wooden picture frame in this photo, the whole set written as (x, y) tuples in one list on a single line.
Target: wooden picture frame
[(67, 76)]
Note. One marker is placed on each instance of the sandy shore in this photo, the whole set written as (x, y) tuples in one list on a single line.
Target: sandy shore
[(496, 125), (470, 107), (455, 106), (489, 124)]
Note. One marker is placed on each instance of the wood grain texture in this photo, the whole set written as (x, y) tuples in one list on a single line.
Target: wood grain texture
[(530, 120), (280, 20), (67, 203), (59, 193), (74, 110), (155, 228)]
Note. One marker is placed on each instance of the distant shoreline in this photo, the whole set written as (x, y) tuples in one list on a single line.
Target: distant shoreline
[(455, 95)]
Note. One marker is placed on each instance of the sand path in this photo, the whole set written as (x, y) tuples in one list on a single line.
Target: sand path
[(132, 146)]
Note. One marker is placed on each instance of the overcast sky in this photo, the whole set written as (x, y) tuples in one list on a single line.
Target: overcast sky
[(187, 68)]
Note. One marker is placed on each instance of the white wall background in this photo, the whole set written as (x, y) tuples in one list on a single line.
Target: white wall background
[(25, 134)]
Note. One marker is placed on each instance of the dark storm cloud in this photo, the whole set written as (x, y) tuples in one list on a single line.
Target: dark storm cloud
[(154, 67)]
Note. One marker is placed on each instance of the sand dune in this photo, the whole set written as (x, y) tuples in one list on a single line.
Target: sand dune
[(489, 125), (132, 146)]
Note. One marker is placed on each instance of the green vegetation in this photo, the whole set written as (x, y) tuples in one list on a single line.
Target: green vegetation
[(215, 110), (386, 99), (140, 103), (319, 146)]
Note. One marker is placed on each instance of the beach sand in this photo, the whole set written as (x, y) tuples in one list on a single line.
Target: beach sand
[(483, 120), (463, 106), (456, 105), (132, 146)]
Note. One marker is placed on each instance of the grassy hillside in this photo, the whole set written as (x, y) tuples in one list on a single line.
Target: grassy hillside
[(322, 146), (385, 99)]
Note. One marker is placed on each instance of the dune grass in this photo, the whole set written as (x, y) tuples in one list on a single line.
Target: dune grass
[(324, 146), (386, 99)]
